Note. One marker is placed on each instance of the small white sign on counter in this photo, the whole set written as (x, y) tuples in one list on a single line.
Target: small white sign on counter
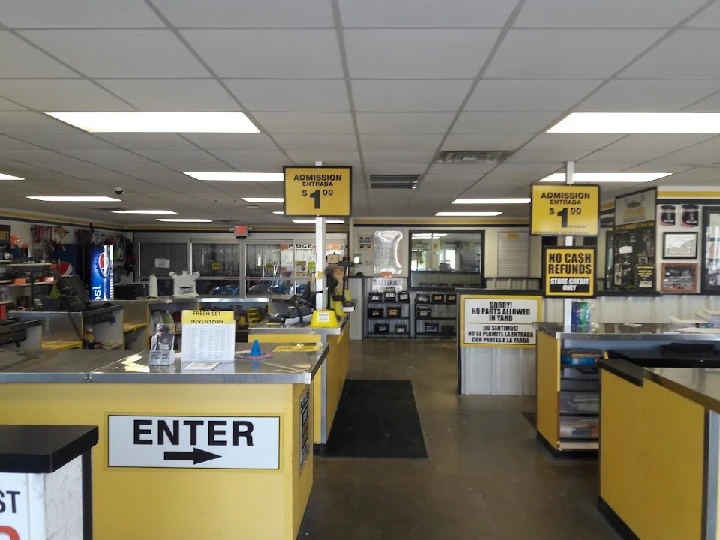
[(208, 336), (502, 321), (194, 442), (14, 511)]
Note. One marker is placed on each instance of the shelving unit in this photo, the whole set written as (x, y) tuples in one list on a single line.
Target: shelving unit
[(435, 315), (30, 268), (389, 312)]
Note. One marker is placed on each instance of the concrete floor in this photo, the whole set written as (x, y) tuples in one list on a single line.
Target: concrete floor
[(487, 476)]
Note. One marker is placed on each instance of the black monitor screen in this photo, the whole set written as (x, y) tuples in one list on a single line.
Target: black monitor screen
[(73, 286)]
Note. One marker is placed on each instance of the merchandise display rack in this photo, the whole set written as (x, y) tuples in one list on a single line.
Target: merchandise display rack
[(389, 311), (435, 314)]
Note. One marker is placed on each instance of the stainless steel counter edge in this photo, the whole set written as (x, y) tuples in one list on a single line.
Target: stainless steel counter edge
[(310, 330), (634, 333), (162, 375)]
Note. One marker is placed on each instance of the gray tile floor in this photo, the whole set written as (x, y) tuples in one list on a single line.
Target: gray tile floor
[(487, 476)]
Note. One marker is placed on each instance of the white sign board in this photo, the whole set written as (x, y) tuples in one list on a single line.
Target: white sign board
[(500, 310), (500, 322), (14, 512), (194, 442), (208, 336)]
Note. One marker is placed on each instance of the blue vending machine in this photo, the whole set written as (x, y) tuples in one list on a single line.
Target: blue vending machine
[(101, 273)]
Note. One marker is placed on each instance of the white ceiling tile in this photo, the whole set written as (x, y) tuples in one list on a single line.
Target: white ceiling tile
[(65, 141), (96, 156), (286, 54), (541, 156), (327, 157), (424, 13), (648, 96), (525, 170), (498, 122), (417, 168), (657, 142), (60, 95), (249, 159), (709, 18), (35, 155), (77, 14), (298, 122), (22, 60), (232, 141), (389, 123), (81, 169), (414, 54), (247, 13), (686, 54), (7, 143), (400, 142), (501, 141), (413, 95), (173, 156), (398, 157), (563, 141), (316, 142), (461, 169), (31, 122), (148, 141), (631, 158), (608, 13), (6, 105), (172, 94), (120, 53), (528, 95), (291, 95), (573, 54), (711, 104)]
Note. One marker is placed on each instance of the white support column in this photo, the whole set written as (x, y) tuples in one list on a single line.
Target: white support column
[(320, 265), (568, 241)]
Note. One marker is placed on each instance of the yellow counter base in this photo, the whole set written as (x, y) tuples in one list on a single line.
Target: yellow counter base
[(182, 504)]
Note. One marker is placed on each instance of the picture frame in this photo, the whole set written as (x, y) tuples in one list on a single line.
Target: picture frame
[(679, 277), (680, 245)]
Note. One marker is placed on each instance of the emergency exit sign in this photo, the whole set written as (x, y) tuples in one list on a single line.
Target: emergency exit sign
[(194, 442)]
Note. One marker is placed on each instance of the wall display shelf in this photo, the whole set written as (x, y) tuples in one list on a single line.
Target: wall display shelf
[(434, 314), (387, 314)]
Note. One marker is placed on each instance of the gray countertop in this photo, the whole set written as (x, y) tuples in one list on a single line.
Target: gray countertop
[(214, 299), (270, 328), (626, 332), (20, 325), (81, 366)]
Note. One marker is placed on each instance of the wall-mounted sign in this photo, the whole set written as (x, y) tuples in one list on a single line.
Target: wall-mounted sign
[(318, 191), (569, 210), (194, 442), (14, 511), (241, 231), (499, 321), (569, 272)]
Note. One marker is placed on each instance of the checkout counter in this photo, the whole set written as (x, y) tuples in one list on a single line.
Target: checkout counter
[(328, 385), (186, 454)]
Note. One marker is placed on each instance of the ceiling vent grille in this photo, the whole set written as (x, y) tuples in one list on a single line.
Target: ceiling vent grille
[(485, 156), (394, 181)]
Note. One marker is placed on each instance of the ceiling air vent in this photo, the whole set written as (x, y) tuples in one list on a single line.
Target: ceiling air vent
[(494, 156), (394, 181)]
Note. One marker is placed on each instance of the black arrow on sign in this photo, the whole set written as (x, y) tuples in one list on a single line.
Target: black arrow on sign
[(196, 456)]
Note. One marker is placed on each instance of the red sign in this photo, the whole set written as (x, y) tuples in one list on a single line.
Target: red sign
[(11, 533), (241, 231)]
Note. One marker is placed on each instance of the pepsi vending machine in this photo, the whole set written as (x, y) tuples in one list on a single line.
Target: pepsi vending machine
[(101, 273)]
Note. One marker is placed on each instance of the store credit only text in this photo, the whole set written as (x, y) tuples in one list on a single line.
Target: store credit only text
[(503, 334)]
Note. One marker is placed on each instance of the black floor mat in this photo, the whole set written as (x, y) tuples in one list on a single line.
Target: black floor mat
[(376, 419)]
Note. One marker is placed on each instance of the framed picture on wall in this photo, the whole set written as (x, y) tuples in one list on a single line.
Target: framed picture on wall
[(679, 278), (680, 245)]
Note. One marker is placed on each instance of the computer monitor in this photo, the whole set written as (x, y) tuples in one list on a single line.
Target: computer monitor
[(73, 286)]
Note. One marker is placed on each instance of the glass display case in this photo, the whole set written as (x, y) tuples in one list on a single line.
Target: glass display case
[(711, 250)]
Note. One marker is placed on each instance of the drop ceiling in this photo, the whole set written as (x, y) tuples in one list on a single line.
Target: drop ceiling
[(381, 85)]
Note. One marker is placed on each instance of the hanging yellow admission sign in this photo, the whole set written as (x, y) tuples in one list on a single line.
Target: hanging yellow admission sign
[(318, 191), (565, 210)]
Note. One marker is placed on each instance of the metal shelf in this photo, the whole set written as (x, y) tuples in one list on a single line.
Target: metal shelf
[(435, 318), (389, 335)]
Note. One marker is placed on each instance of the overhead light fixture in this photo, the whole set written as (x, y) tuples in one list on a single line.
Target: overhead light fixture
[(9, 177), (72, 198), (329, 221), (185, 220), (621, 122), (595, 178), (491, 201), (469, 214), (237, 176), (263, 199), (279, 212), (428, 236), (148, 212), (158, 122)]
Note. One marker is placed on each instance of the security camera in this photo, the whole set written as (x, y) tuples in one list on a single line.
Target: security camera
[(119, 190)]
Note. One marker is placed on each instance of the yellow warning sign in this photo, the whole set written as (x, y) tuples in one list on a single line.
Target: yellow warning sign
[(569, 272), (298, 348), (318, 191), (565, 210), (207, 317)]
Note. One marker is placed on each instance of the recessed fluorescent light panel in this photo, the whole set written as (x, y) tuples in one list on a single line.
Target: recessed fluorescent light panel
[(184, 220), (158, 122), (237, 176), (469, 214), (596, 178), (329, 221), (148, 212), (279, 212), (613, 122), (72, 198), (263, 199), (491, 201), (9, 177)]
